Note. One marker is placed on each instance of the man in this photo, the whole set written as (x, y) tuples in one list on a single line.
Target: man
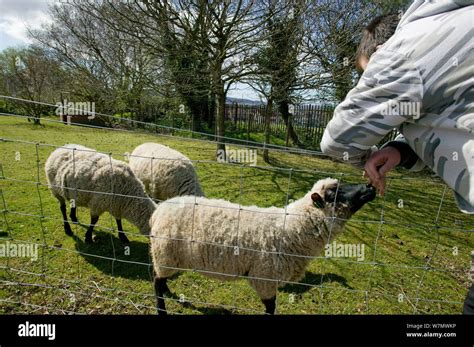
[(420, 81)]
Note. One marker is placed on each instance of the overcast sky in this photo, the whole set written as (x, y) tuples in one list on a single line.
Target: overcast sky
[(18, 15)]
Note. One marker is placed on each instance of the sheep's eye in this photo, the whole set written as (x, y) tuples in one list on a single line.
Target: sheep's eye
[(330, 195)]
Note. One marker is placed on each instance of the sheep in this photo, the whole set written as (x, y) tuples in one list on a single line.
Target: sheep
[(95, 180), (227, 241), (165, 172)]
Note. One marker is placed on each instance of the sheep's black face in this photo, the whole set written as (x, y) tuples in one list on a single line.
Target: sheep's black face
[(354, 196)]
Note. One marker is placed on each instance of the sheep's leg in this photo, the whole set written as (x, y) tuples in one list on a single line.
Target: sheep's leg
[(94, 220), (67, 227), (269, 305), (73, 215), (161, 288), (121, 234)]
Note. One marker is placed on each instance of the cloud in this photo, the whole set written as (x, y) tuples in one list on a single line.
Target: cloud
[(18, 15), (22, 8)]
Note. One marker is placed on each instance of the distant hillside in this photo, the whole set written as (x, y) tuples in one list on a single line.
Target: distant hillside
[(243, 101)]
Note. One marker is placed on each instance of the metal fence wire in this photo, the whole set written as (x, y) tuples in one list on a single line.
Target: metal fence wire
[(110, 277)]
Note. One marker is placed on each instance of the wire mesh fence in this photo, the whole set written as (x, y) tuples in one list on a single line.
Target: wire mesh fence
[(403, 245), (308, 121)]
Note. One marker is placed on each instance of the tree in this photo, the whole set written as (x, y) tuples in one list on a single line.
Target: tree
[(205, 45), (278, 62), (31, 74), (110, 67), (334, 32)]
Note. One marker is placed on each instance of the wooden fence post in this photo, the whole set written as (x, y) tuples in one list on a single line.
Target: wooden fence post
[(236, 108), (248, 125)]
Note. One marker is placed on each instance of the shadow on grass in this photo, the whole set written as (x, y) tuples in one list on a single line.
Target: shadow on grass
[(202, 309), (112, 257), (312, 279), (275, 162)]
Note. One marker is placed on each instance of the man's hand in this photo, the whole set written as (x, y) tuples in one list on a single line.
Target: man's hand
[(379, 164)]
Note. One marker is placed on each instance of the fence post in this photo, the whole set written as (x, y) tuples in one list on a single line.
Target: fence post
[(236, 108), (248, 125), (307, 113), (192, 125), (172, 123)]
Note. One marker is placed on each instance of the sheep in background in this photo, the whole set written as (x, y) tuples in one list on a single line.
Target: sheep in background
[(100, 183), (226, 240), (165, 172)]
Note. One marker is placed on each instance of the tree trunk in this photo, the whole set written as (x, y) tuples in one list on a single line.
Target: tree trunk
[(211, 110), (285, 114), (220, 124), (36, 111), (195, 110), (196, 120), (268, 115)]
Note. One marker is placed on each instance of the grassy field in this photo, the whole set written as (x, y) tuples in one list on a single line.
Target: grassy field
[(417, 260)]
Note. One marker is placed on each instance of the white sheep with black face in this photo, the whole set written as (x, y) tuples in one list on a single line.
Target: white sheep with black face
[(165, 172), (264, 245), (100, 183)]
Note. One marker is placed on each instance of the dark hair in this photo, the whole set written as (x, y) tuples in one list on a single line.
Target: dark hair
[(376, 33)]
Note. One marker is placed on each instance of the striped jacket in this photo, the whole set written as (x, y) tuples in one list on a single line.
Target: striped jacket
[(421, 82)]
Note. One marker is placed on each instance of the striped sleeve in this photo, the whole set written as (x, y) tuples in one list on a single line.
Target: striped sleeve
[(389, 93)]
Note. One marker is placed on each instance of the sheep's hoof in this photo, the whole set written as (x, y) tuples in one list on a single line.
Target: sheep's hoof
[(67, 230), (90, 240), (123, 238), (167, 292)]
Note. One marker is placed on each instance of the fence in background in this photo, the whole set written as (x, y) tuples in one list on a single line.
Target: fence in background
[(309, 122)]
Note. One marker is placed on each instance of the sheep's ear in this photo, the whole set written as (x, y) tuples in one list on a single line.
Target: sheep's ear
[(317, 200)]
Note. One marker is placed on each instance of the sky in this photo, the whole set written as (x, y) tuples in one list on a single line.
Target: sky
[(16, 16)]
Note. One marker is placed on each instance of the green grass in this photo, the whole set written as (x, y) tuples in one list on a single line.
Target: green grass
[(72, 276), (241, 134)]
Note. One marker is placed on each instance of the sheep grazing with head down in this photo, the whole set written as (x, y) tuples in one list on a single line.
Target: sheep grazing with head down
[(165, 172), (265, 245), (97, 181)]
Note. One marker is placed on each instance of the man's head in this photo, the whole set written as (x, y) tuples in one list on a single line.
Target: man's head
[(379, 30)]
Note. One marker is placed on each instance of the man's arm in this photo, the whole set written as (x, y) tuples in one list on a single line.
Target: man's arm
[(408, 158), (389, 88), (392, 154)]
